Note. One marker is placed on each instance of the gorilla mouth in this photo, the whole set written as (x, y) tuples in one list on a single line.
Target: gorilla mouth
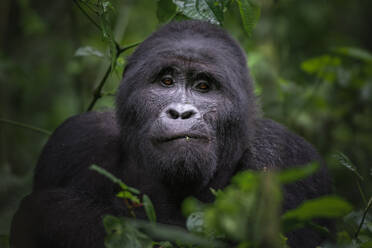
[(186, 137)]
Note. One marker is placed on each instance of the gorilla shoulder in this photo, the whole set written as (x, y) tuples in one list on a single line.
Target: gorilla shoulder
[(274, 146), (82, 140)]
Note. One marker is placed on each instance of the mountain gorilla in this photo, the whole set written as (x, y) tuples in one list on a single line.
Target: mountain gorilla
[(186, 121)]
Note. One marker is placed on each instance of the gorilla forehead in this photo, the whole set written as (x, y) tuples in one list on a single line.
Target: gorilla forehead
[(190, 45), (195, 41)]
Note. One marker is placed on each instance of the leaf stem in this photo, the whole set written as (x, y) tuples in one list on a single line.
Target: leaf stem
[(22, 125), (97, 92), (123, 49), (369, 205), (361, 191)]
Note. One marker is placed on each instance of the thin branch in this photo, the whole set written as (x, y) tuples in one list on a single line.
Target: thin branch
[(87, 15), (119, 50), (123, 49), (364, 217), (88, 5), (22, 125), (97, 92)]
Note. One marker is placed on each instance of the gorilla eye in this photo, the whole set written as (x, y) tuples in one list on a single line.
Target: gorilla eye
[(167, 81), (203, 86)]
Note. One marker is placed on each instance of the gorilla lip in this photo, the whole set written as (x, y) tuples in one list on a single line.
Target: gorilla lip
[(187, 137)]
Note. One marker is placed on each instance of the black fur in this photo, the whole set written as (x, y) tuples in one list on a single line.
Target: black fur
[(168, 141)]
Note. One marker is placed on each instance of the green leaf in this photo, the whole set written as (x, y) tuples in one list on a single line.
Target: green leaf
[(295, 174), (215, 192), (346, 162), (121, 234), (128, 195), (114, 179), (250, 13), (217, 7), (322, 207), (354, 52), (88, 51), (199, 10), (246, 180), (324, 67), (149, 208), (107, 15), (191, 205), (166, 10), (172, 233)]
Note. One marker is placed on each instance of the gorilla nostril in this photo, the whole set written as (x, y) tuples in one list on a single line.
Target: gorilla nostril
[(187, 114), (173, 114)]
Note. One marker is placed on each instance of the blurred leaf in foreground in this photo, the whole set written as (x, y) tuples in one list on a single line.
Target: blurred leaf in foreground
[(322, 207)]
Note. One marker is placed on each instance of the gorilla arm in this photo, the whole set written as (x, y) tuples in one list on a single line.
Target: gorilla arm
[(275, 147), (68, 200)]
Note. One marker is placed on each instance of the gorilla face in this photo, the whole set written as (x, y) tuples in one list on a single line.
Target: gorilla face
[(180, 104)]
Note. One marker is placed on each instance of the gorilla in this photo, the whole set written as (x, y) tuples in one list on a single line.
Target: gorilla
[(186, 120)]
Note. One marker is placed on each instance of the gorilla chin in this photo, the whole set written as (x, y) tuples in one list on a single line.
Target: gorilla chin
[(183, 159)]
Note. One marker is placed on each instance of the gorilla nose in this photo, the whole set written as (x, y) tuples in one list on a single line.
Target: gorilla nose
[(181, 111), (174, 114)]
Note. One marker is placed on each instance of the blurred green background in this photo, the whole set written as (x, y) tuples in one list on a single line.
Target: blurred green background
[(311, 62)]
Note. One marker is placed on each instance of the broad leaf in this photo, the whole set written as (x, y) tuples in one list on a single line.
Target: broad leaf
[(166, 10), (322, 207), (295, 174), (250, 13), (149, 208), (200, 10), (354, 52)]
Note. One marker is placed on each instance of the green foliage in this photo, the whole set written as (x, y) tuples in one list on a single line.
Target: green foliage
[(208, 10), (250, 13), (137, 232), (166, 10), (323, 207), (114, 179), (354, 52), (149, 208), (294, 174), (324, 67), (129, 193), (247, 211)]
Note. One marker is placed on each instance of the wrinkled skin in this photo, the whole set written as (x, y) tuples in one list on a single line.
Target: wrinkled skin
[(186, 120)]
